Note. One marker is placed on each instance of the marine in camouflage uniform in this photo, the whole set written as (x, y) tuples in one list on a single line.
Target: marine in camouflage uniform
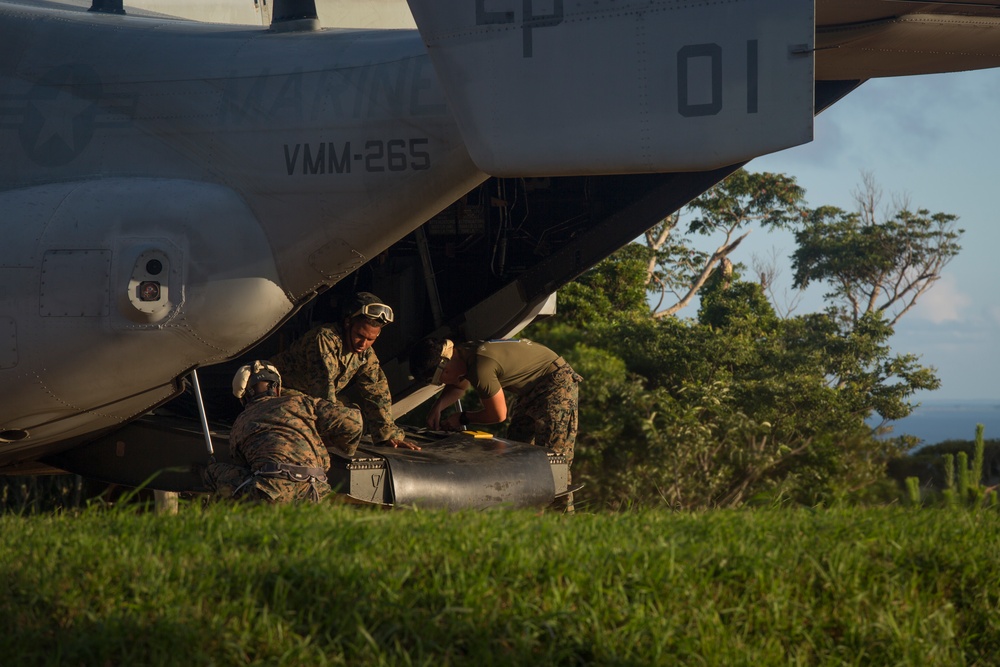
[(545, 389), (279, 447), (321, 364), (331, 357)]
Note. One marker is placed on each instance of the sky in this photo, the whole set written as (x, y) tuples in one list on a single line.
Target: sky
[(935, 140)]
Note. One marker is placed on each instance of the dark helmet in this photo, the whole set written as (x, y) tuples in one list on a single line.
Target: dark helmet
[(429, 359), (250, 375), (366, 304)]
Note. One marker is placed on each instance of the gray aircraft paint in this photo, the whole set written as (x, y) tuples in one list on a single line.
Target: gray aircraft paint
[(705, 88)]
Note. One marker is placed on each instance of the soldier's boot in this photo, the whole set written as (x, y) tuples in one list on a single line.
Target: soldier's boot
[(567, 503), (563, 503)]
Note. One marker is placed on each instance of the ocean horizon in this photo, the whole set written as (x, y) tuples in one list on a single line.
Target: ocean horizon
[(937, 420)]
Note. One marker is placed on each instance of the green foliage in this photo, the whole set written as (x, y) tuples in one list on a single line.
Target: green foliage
[(939, 473), (860, 363), (773, 200), (740, 404), (736, 305), (689, 414), (963, 475), (961, 482), (979, 457), (676, 264), (613, 288), (870, 265)]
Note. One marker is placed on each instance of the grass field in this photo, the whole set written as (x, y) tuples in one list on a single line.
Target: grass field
[(336, 585)]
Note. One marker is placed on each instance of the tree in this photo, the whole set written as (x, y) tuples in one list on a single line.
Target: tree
[(741, 403), (675, 268), (874, 261), (610, 289), (738, 404)]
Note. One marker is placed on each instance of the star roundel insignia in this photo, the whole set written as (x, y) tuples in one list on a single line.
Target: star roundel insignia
[(59, 114)]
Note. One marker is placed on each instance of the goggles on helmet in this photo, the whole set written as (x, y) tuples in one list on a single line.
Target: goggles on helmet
[(375, 311)]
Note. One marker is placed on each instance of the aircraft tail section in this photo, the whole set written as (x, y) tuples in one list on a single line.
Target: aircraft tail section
[(670, 85)]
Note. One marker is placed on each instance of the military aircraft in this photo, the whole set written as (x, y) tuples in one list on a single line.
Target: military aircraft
[(181, 181)]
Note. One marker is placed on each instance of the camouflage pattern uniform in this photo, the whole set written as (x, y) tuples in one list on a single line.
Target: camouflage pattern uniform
[(321, 364), (548, 413), (293, 430)]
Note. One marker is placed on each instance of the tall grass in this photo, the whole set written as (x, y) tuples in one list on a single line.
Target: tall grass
[(334, 585)]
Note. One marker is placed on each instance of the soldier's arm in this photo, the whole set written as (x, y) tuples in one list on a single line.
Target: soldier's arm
[(329, 350), (451, 393), (494, 411), (376, 402)]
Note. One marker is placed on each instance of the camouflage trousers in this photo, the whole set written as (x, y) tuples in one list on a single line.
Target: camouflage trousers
[(547, 415), (235, 481)]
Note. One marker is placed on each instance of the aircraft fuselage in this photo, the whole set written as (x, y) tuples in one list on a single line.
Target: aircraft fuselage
[(173, 191)]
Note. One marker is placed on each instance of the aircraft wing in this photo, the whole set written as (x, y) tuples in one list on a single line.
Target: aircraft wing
[(865, 39)]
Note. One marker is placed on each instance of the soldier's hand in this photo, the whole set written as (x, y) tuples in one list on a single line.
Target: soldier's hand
[(452, 422), (404, 444)]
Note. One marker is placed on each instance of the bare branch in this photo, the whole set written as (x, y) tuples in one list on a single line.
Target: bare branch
[(768, 272), (706, 272)]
